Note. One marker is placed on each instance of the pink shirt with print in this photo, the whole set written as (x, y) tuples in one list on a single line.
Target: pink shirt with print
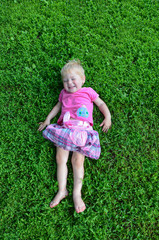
[(79, 104)]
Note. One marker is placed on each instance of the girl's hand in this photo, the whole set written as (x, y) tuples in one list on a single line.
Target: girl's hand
[(107, 117), (43, 125), (51, 115), (106, 125)]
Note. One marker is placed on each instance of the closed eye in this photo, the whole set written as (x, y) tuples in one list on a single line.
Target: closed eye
[(66, 80)]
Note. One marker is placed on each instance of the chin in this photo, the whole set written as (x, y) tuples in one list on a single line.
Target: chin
[(72, 90)]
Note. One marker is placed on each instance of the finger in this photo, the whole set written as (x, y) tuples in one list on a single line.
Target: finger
[(105, 129), (101, 124), (41, 127)]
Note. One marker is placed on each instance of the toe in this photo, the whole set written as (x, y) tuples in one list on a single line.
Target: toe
[(80, 209), (53, 204), (58, 199)]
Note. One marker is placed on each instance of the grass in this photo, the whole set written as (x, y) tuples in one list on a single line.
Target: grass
[(117, 42)]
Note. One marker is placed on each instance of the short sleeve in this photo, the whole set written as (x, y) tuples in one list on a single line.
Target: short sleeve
[(93, 94), (60, 96)]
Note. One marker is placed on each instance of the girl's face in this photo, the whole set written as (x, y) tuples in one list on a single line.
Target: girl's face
[(72, 81)]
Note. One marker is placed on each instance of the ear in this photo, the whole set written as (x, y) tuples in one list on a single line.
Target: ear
[(84, 79)]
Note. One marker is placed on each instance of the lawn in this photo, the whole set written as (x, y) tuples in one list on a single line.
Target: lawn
[(118, 45)]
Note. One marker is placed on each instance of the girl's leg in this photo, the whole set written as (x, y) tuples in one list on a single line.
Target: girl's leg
[(78, 172), (61, 159)]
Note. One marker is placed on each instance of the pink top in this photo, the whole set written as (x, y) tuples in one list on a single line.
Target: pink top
[(79, 104)]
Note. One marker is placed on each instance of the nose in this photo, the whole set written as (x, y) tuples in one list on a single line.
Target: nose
[(69, 81)]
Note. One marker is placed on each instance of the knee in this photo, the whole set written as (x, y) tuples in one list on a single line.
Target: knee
[(61, 157), (77, 161)]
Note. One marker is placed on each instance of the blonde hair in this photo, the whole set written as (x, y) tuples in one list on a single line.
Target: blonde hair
[(73, 65)]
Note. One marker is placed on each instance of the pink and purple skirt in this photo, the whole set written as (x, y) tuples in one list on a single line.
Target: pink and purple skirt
[(82, 139)]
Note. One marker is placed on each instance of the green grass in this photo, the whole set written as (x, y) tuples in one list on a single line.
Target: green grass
[(118, 43)]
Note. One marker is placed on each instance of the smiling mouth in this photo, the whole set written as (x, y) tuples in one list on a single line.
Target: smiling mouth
[(71, 87)]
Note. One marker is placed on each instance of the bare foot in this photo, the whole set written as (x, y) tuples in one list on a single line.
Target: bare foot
[(79, 204), (57, 199)]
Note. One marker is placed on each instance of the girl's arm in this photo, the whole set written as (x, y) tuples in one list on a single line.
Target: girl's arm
[(51, 115), (107, 117)]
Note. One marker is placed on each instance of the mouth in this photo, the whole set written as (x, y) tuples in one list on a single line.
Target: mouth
[(70, 88)]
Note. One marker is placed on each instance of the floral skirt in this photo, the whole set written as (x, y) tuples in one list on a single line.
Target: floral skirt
[(82, 139)]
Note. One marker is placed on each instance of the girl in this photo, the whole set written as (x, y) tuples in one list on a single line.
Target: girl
[(73, 131)]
